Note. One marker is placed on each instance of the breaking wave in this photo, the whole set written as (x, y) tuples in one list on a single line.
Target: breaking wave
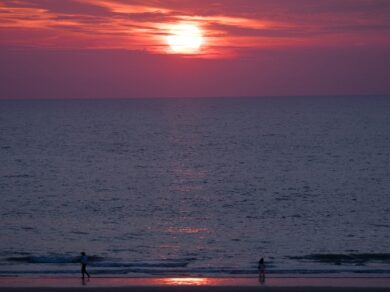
[(352, 258)]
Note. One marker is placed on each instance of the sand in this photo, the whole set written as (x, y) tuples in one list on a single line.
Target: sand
[(103, 284)]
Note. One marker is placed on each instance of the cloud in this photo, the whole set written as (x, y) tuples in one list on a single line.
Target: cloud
[(229, 26)]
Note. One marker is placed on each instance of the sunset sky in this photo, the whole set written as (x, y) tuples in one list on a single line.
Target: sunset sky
[(120, 48)]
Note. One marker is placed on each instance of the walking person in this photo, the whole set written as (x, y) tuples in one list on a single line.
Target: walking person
[(84, 262), (261, 268)]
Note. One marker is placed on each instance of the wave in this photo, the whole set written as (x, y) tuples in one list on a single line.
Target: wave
[(99, 262), (18, 176), (25, 264), (52, 259), (142, 264), (351, 258), (195, 272)]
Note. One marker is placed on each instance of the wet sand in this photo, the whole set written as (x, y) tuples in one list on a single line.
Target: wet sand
[(104, 284)]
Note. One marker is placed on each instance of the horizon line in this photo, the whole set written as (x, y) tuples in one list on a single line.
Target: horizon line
[(196, 97)]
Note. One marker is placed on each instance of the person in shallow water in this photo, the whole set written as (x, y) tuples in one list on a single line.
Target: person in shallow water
[(84, 261), (261, 269)]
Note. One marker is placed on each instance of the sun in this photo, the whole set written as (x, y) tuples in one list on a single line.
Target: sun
[(185, 38)]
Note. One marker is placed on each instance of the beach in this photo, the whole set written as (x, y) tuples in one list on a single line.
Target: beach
[(195, 284)]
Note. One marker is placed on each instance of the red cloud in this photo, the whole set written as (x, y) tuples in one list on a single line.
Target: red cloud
[(228, 25)]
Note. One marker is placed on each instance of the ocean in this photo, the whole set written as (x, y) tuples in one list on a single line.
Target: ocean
[(200, 187)]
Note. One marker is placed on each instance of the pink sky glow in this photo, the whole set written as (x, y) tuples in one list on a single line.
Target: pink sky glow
[(118, 48)]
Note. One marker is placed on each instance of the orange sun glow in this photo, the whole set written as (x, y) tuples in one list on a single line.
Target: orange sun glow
[(185, 38), (186, 281)]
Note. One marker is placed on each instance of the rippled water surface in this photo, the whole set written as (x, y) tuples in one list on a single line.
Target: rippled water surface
[(195, 186)]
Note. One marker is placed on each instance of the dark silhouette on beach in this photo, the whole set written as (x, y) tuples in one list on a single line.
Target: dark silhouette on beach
[(84, 262), (261, 268)]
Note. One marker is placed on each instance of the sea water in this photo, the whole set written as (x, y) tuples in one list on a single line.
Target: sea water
[(156, 187)]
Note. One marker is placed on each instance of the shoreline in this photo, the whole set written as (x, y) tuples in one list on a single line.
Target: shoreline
[(297, 283)]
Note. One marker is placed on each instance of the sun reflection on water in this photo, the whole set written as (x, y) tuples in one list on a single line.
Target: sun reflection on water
[(186, 230), (187, 281)]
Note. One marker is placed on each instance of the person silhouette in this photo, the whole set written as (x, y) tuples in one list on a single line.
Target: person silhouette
[(261, 269), (84, 262)]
